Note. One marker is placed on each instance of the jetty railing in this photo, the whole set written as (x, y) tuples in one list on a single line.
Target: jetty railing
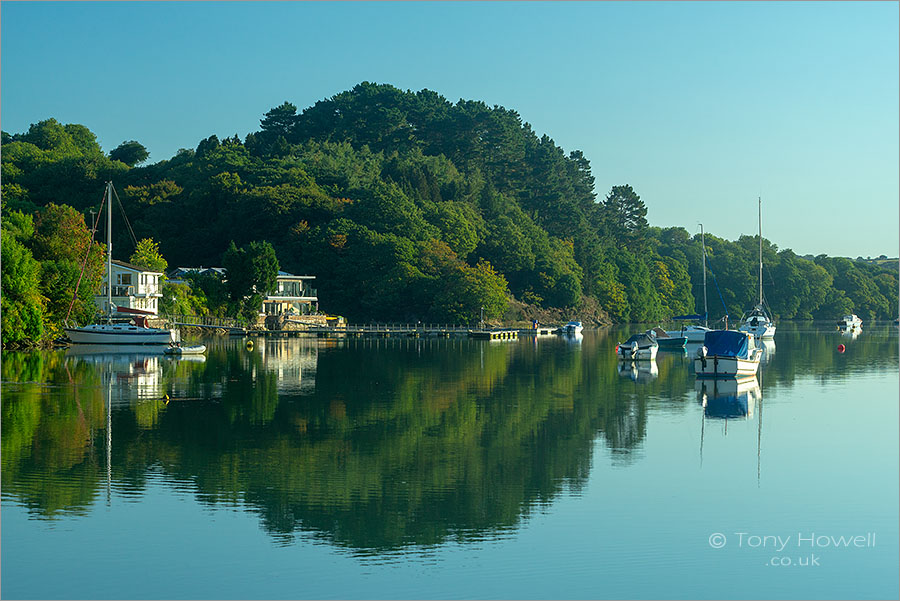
[(206, 321)]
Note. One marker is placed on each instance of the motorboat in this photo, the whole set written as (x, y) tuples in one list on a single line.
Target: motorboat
[(573, 327), (667, 342), (758, 322), (849, 322), (115, 329), (727, 354), (639, 347)]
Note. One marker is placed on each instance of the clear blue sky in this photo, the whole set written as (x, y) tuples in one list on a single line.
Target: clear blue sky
[(701, 107)]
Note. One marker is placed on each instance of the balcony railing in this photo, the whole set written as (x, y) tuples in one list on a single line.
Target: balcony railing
[(304, 293), (123, 291)]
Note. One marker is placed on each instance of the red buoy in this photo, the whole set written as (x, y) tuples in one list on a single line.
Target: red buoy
[(841, 348)]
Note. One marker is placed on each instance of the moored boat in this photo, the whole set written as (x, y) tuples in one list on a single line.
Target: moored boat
[(114, 329), (573, 327), (727, 354), (667, 342), (849, 322), (118, 332), (758, 322), (691, 333), (639, 347)]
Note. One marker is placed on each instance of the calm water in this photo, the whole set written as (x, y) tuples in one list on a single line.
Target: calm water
[(435, 468)]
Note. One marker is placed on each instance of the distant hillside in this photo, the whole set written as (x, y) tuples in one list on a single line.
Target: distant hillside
[(408, 206)]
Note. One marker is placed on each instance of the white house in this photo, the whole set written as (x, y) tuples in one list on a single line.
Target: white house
[(293, 295), (134, 288)]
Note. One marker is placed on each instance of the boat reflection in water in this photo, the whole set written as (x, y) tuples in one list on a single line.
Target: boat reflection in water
[(768, 349), (850, 334), (728, 398), (576, 338), (133, 372), (639, 371)]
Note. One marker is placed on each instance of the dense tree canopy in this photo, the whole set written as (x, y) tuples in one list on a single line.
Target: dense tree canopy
[(401, 201)]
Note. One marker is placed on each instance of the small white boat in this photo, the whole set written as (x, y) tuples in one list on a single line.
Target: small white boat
[(727, 354), (177, 350), (849, 322), (573, 327), (639, 347)]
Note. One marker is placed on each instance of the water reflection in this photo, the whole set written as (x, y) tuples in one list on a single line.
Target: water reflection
[(768, 350), (373, 444), (728, 398), (639, 371)]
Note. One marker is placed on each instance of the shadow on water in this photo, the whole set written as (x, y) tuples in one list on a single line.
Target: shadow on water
[(373, 444)]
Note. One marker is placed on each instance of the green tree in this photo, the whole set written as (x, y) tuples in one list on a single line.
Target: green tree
[(131, 153), (23, 305), (146, 254), (626, 216), (69, 260), (252, 273)]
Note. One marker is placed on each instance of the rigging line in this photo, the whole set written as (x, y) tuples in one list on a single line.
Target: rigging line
[(124, 216), (86, 255), (716, 282)]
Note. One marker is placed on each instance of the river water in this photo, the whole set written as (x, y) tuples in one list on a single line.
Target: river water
[(451, 468)]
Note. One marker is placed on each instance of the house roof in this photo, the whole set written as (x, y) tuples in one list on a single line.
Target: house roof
[(285, 275), (132, 267)]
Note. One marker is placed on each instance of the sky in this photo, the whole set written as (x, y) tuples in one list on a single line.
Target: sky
[(702, 107)]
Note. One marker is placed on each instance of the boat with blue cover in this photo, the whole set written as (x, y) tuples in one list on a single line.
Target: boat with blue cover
[(727, 354)]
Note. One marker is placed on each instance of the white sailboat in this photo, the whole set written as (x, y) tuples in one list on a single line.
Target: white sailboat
[(695, 333), (113, 330), (758, 322)]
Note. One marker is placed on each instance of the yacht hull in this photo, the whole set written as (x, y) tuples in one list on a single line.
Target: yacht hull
[(119, 335)]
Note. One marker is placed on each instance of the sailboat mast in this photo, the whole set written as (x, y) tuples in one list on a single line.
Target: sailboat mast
[(705, 309), (760, 251), (109, 247)]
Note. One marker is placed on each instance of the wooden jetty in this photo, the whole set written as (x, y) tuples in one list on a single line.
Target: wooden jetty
[(494, 334), (379, 330)]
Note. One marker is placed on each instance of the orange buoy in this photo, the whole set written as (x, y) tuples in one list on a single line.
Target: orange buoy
[(841, 348)]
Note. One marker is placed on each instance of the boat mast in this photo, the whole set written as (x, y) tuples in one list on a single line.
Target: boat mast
[(705, 309), (109, 248), (760, 252)]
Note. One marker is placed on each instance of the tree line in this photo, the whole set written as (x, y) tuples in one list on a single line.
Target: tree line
[(407, 206)]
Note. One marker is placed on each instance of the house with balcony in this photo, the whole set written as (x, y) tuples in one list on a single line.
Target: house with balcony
[(293, 295), (134, 289)]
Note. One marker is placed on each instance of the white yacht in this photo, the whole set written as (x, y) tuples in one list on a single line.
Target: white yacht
[(113, 330), (758, 322)]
